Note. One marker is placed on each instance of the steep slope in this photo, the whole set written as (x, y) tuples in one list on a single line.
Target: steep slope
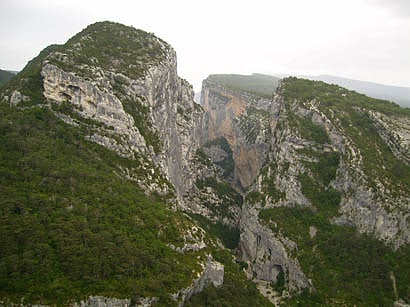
[(334, 178), (330, 172), (242, 119), (98, 147)]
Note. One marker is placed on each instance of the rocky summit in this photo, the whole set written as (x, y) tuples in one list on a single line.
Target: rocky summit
[(117, 189)]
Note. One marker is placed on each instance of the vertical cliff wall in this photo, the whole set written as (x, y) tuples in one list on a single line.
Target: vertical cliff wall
[(242, 119)]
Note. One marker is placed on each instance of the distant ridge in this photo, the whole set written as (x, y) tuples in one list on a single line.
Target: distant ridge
[(398, 94), (263, 85)]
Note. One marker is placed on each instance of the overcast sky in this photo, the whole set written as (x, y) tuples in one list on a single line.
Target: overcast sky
[(360, 39)]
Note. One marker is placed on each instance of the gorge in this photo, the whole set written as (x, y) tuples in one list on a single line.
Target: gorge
[(118, 189)]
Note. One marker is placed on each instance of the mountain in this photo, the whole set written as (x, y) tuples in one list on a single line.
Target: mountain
[(99, 141), (325, 176), (117, 189), (398, 94), (5, 76)]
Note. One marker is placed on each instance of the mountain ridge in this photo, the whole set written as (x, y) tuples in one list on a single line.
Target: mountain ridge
[(116, 186), (398, 94), (96, 156)]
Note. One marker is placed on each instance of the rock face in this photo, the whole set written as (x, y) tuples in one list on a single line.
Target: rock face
[(234, 158), (240, 118), (152, 115), (286, 152), (269, 255)]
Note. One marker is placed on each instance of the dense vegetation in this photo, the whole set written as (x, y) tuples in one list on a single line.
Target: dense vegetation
[(229, 235), (100, 44), (237, 290), (71, 224), (71, 227), (258, 84), (346, 268)]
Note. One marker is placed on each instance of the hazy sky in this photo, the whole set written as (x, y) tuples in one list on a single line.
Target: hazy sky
[(361, 39)]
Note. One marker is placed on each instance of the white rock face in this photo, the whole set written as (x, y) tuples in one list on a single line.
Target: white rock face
[(174, 116), (178, 121), (92, 103), (268, 254)]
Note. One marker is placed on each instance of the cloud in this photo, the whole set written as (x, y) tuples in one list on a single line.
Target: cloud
[(399, 8)]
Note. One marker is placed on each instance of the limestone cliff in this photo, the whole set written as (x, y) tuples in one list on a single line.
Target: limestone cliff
[(290, 182), (308, 153), (118, 87), (242, 119), (150, 113)]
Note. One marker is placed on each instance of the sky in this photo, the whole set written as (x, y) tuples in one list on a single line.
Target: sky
[(360, 39)]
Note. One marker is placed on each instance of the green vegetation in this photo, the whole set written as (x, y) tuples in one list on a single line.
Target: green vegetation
[(254, 197), (346, 268), (202, 158), (307, 129), (111, 46), (101, 43), (229, 235), (5, 76), (228, 196), (29, 81), (378, 160), (227, 163), (71, 227), (331, 95), (257, 84), (236, 290)]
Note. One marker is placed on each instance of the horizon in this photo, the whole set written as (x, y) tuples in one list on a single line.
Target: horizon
[(343, 39)]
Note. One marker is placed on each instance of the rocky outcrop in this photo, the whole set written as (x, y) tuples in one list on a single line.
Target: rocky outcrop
[(373, 211), (267, 254), (395, 131), (212, 274), (273, 149), (92, 103), (100, 301)]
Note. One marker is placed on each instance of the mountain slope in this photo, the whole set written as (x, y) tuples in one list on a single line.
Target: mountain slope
[(98, 146), (334, 177)]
